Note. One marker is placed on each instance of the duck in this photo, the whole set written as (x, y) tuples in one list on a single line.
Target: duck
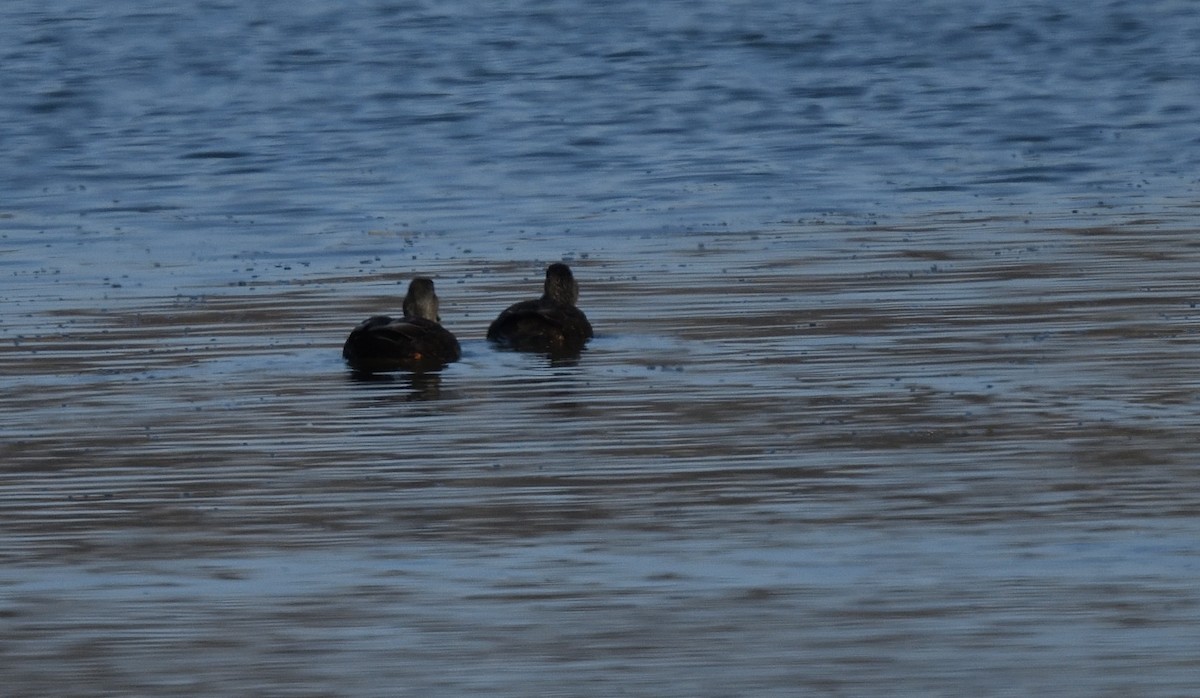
[(550, 324), (415, 342)]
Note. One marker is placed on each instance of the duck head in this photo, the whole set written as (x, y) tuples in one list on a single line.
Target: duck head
[(421, 301), (560, 284)]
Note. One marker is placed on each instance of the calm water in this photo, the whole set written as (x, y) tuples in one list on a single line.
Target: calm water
[(894, 389)]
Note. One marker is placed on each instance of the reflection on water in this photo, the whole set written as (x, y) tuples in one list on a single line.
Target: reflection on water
[(855, 460), (423, 385)]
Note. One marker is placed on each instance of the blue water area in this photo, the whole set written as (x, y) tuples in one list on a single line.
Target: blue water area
[(206, 119)]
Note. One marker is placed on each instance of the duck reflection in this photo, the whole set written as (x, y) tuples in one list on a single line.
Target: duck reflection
[(420, 386)]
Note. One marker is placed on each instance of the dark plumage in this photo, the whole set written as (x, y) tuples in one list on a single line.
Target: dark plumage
[(416, 342), (550, 324)]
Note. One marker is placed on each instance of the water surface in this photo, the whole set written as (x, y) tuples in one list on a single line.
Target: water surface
[(893, 389)]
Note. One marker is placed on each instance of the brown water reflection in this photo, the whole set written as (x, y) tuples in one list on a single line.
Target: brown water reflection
[(837, 461)]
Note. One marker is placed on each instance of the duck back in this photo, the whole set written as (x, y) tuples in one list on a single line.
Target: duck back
[(382, 343), (541, 326)]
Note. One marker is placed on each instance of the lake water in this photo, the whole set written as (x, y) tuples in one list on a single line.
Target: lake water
[(894, 389)]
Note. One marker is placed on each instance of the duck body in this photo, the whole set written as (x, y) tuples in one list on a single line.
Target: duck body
[(383, 343), (415, 342), (551, 324)]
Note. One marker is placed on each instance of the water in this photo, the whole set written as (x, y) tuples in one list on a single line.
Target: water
[(893, 390)]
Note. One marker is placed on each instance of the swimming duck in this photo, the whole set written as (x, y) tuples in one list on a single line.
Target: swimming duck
[(550, 324), (416, 342)]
